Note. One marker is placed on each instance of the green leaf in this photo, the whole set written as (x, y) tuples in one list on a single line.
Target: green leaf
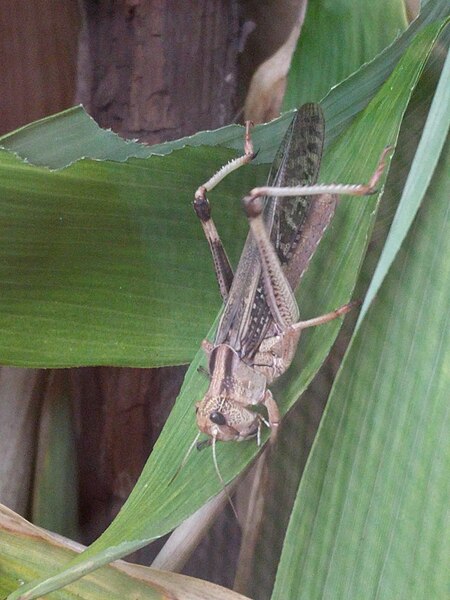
[(363, 28), (91, 270), (370, 516), (425, 160), (300, 427), (362, 499), (155, 505)]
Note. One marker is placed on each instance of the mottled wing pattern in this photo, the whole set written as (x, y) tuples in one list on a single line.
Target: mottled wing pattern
[(299, 166), (247, 317)]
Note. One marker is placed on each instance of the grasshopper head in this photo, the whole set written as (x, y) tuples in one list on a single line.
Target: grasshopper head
[(224, 419)]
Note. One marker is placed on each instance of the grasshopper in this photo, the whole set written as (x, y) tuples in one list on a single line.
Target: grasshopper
[(260, 328)]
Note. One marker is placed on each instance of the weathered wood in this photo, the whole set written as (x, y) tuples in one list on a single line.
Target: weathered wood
[(159, 70)]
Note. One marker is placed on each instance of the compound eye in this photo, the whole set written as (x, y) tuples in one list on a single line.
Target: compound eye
[(217, 418)]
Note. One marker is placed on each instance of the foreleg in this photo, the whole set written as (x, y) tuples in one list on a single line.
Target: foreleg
[(222, 267)]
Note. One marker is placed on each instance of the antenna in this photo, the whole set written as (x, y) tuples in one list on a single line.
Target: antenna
[(185, 459), (224, 487)]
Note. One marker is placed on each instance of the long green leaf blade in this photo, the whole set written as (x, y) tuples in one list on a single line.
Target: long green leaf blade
[(370, 517), (425, 160)]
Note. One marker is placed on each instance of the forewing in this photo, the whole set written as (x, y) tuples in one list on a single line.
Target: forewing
[(247, 317), (300, 155)]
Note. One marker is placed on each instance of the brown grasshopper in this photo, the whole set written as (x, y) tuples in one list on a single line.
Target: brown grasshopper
[(260, 328)]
